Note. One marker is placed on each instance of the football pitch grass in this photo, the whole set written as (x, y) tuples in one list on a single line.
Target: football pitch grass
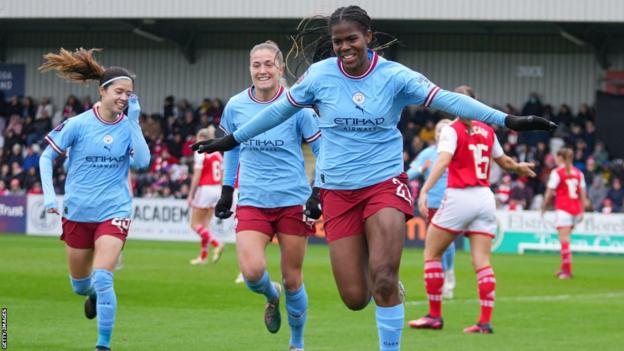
[(166, 304)]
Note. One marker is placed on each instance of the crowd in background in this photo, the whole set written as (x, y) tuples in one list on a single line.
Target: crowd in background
[(24, 123)]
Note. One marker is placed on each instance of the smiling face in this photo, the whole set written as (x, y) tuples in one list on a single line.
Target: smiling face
[(350, 44), (265, 69), (114, 97)]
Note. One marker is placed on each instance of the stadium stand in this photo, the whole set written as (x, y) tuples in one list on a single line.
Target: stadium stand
[(24, 123)]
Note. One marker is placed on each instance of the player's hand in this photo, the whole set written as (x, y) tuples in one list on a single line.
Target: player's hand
[(134, 108), (53, 210), (218, 144), (528, 123), (223, 209), (526, 169), (313, 205), (422, 203), (189, 200)]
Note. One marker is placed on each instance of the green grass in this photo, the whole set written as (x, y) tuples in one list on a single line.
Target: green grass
[(166, 304)]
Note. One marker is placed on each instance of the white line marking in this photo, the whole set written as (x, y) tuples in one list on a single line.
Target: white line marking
[(543, 298)]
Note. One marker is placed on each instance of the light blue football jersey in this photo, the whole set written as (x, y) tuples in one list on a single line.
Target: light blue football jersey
[(361, 144), (96, 188), (272, 171), (436, 193)]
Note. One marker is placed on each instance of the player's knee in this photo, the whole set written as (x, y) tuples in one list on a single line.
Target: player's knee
[(355, 299), (292, 281), (252, 274), (385, 282), (356, 303)]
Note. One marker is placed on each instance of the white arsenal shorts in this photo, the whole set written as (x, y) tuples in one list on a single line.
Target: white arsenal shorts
[(566, 220), (467, 210), (206, 196)]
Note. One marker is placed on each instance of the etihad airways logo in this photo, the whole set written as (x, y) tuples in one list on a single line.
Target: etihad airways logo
[(359, 124), (264, 144)]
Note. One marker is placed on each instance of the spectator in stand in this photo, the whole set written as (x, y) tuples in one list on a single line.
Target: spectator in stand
[(597, 193), (576, 133), (3, 190), (579, 159), (187, 152), (35, 189), (521, 195), (38, 130), (169, 108), (188, 126), (204, 107), (17, 172), (585, 113), (184, 107), (16, 125), (204, 120), (16, 188), (45, 109), (427, 132), (416, 146), (5, 173), (163, 162), (14, 107), (217, 111), (2, 105), (174, 145), (533, 106), (600, 154), (152, 128), (72, 107), (590, 170), (590, 135), (616, 194), (32, 157), (503, 192), (31, 177), (87, 104), (607, 206), (170, 126), (564, 116), (16, 154), (28, 107)]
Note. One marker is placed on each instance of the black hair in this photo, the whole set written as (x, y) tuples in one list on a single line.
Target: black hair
[(312, 42)]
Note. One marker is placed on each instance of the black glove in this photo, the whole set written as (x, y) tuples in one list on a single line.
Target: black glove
[(223, 209), (313, 205), (528, 123), (218, 144)]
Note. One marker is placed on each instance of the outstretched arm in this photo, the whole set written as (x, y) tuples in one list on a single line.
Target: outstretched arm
[(268, 118), (464, 106)]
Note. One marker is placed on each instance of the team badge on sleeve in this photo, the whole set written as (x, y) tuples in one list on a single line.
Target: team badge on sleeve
[(59, 127)]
